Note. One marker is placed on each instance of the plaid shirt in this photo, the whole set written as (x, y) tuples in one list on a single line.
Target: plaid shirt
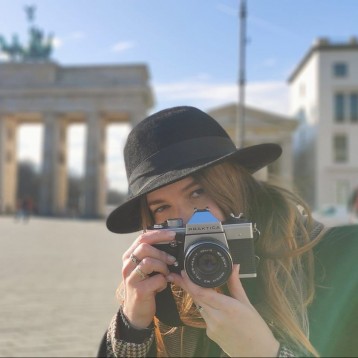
[(119, 348), (182, 342)]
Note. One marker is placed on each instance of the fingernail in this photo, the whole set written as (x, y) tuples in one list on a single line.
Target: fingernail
[(238, 268), (171, 259), (172, 233), (170, 278)]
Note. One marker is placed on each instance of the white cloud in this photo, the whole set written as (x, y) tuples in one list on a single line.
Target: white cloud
[(269, 62), (272, 28), (228, 10), (122, 46), (4, 56), (57, 42), (254, 21), (270, 96), (77, 35)]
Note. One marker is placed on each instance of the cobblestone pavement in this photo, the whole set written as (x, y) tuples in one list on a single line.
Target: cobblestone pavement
[(57, 286)]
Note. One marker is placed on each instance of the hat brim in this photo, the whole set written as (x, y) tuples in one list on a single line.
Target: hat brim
[(126, 217)]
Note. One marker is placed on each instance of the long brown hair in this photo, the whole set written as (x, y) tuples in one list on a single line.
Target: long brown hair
[(285, 270)]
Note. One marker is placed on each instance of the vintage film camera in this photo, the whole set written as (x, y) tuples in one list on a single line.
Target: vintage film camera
[(206, 248)]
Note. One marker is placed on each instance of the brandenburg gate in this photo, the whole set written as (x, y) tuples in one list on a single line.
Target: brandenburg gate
[(57, 96)]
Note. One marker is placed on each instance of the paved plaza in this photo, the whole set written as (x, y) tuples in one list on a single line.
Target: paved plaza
[(57, 283)]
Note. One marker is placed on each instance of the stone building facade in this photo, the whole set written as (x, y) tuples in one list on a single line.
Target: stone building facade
[(324, 99), (56, 96), (263, 127)]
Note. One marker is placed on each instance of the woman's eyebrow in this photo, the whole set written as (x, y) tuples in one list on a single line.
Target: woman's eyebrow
[(190, 185), (183, 190), (155, 202)]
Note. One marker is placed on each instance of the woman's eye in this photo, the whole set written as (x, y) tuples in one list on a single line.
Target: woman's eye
[(160, 209), (198, 192)]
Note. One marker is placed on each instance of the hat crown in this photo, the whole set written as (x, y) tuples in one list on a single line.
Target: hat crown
[(171, 145), (165, 128)]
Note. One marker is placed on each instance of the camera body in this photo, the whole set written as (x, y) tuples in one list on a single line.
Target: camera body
[(207, 248)]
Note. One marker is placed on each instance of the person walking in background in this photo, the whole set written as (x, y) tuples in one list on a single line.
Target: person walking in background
[(353, 206), (24, 209)]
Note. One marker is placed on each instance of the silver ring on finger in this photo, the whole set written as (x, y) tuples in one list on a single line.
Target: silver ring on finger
[(134, 259), (140, 273)]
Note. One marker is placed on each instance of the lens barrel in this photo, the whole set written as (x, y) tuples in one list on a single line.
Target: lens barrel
[(208, 262)]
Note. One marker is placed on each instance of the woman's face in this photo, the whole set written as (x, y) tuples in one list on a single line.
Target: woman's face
[(178, 200)]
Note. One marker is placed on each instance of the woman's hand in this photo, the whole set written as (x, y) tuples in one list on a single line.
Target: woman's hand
[(139, 261), (232, 322)]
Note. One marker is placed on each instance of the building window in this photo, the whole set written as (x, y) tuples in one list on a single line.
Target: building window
[(301, 116), (342, 191), (340, 69), (354, 107), (340, 148), (339, 107)]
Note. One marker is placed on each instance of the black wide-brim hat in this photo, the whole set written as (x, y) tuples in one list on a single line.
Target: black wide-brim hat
[(171, 145)]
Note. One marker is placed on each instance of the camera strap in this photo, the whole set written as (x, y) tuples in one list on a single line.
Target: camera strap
[(167, 311)]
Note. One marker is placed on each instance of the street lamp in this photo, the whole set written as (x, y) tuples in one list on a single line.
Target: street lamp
[(240, 113)]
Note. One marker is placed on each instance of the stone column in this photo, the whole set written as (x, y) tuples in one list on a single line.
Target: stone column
[(53, 195), (95, 188), (286, 170), (137, 116), (261, 174), (8, 163)]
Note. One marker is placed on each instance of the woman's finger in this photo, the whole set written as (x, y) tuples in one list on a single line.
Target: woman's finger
[(208, 296), (142, 252), (235, 287), (145, 250), (150, 237), (147, 267), (201, 295)]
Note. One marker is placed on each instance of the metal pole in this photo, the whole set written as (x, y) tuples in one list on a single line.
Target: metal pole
[(242, 81)]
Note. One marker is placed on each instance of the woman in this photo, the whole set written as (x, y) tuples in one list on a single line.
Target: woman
[(179, 160)]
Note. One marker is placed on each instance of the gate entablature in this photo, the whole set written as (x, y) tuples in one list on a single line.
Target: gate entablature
[(57, 96)]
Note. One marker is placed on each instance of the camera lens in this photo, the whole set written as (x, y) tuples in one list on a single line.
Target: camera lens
[(208, 263)]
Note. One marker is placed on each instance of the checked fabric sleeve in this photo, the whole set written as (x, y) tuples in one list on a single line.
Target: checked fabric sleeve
[(285, 352), (118, 347)]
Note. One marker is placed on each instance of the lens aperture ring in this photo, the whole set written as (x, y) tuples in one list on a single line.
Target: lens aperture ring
[(208, 263)]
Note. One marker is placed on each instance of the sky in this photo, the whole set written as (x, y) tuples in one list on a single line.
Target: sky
[(191, 48)]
